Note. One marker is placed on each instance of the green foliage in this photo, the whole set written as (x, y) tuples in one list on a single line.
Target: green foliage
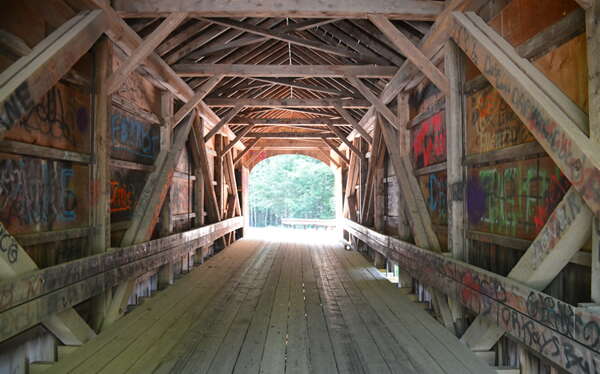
[(290, 186)]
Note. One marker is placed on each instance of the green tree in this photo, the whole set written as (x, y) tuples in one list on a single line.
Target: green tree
[(290, 186)]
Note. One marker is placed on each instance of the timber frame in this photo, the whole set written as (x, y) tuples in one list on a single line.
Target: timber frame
[(388, 94)]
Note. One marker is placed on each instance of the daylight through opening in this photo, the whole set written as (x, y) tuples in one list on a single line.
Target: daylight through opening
[(293, 191)]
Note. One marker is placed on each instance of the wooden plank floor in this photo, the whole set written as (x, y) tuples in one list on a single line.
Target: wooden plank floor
[(296, 303)]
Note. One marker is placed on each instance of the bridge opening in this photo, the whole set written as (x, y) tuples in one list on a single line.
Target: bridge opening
[(294, 191)]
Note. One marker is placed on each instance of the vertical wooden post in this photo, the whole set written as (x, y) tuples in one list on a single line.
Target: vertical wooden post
[(100, 169), (403, 113), (593, 51), (165, 223), (219, 175), (454, 66), (166, 114)]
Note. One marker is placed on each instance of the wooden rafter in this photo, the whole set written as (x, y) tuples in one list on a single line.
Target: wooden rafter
[(288, 38)]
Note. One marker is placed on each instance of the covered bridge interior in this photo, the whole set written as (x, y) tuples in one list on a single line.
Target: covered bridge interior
[(463, 135)]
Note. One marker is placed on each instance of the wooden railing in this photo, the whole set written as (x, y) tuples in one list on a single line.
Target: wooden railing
[(32, 297), (308, 222), (567, 335)]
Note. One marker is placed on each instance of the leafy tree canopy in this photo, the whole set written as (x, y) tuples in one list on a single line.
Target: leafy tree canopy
[(290, 186)]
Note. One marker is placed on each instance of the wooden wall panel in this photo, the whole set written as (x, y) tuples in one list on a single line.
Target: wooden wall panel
[(42, 195), (522, 19), (181, 195), (428, 141), (491, 123), (133, 139), (514, 198), (566, 66)]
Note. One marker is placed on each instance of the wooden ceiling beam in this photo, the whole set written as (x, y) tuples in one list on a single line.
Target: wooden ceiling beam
[(227, 41), (399, 9), (368, 40), (284, 71), (177, 39), (287, 103), (334, 36), (247, 27)]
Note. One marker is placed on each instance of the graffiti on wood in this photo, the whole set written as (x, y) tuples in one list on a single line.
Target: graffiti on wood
[(429, 141), (569, 148), (132, 139), (9, 248), (514, 198), (434, 187), (42, 195), (125, 188), (491, 124), (60, 120)]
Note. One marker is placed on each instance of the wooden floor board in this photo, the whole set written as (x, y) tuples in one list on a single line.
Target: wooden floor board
[(279, 306)]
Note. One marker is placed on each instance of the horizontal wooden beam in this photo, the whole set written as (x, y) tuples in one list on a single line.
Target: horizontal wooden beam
[(62, 286), (552, 328), (20, 148), (287, 103), (285, 71), (399, 9), (291, 135)]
